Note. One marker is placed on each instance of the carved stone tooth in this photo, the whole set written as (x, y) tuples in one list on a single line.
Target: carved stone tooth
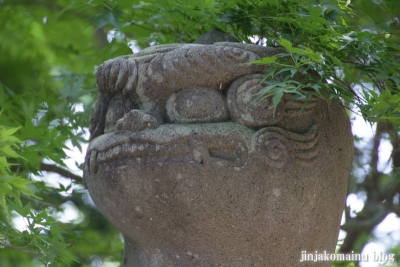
[(99, 156), (104, 155), (148, 147), (134, 147), (115, 151), (126, 147), (109, 154)]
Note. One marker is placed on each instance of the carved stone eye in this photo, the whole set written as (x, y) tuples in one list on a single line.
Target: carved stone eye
[(197, 105)]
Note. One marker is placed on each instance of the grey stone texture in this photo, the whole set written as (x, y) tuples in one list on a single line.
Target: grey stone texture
[(197, 171)]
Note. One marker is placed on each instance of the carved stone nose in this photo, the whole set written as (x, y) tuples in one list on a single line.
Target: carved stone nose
[(136, 120)]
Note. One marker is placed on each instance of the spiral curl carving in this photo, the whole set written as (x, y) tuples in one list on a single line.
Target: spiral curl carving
[(247, 107), (281, 148), (276, 150)]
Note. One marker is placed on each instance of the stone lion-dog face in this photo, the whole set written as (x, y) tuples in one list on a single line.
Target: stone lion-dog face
[(197, 169), (194, 104)]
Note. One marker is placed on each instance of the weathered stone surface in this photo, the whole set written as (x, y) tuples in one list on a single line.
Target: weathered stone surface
[(201, 173)]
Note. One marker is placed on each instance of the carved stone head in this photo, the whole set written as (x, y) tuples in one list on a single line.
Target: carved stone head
[(196, 169)]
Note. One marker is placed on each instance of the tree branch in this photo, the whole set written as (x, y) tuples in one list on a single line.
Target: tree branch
[(61, 171), (365, 224), (371, 183)]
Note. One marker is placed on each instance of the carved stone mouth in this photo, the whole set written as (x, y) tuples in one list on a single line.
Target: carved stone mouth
[(168, 144), (224, 144), (232, 153)]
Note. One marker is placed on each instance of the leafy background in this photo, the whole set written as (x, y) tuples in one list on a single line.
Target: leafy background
[(49, 51)]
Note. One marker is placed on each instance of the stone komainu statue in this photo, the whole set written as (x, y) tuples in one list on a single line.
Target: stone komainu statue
[(196, 169)]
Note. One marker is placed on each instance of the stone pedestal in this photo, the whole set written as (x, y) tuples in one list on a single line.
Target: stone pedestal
[(197, 171)]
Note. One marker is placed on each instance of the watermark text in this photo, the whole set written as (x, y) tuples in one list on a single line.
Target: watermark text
[(326, 256)]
